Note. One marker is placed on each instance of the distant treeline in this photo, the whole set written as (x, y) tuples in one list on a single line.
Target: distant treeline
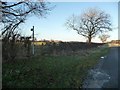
[(115, 42)]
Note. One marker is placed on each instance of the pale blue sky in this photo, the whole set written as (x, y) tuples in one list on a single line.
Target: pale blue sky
[(53, 26)]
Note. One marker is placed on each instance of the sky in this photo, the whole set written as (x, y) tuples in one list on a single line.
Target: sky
[(53, 26)]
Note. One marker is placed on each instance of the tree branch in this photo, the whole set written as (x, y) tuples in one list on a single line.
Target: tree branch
[(16, 4)]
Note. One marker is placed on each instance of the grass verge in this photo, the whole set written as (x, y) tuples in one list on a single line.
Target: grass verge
[(51, 71)]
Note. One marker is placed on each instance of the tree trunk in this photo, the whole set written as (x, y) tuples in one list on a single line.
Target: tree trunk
[(89, 40)]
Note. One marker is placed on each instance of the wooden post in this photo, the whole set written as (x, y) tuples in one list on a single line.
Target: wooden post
[(33, 50)]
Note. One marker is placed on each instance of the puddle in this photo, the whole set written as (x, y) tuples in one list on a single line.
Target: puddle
[(96, 79)]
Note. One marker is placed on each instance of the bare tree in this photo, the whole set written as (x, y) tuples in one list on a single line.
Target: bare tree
[(104, 37), (14, 14), (90, 23)]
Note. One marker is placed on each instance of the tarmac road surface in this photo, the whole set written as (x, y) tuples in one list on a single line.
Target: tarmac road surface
[(105, 74), (110, 66)]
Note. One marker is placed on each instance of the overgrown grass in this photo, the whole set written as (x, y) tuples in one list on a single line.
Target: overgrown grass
[(51, 71)]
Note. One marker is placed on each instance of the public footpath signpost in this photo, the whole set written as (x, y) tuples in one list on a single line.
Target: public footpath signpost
[(33, 51)]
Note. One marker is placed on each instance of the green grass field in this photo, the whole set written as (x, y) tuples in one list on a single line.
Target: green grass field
[(40, 43), (51, 71)]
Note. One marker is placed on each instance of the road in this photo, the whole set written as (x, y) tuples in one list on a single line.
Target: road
[(110, 66), (105, 74)]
